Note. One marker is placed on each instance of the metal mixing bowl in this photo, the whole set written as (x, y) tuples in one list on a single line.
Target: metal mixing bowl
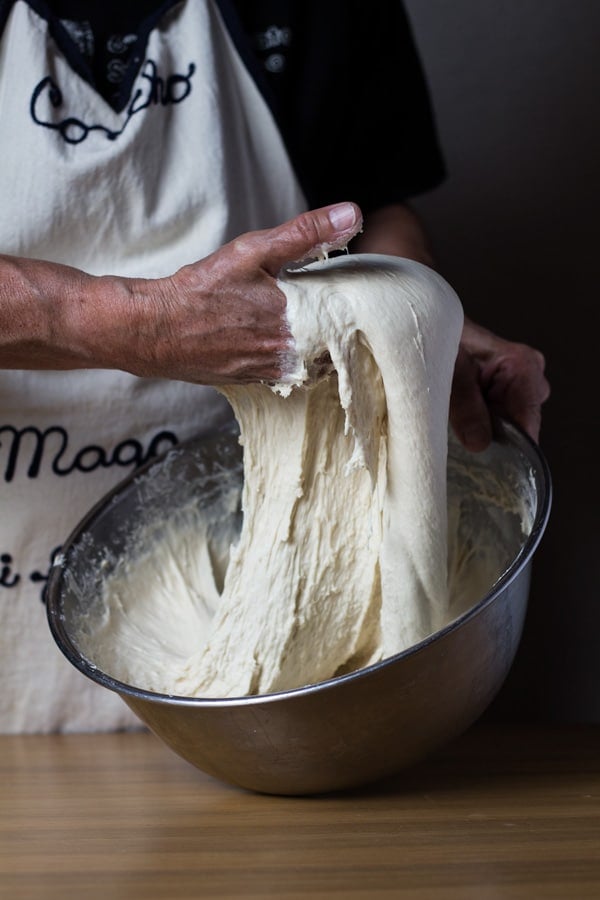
[(343, 732)]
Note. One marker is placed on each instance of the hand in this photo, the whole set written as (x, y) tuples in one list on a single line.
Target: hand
[(495, 376), (223, 318)]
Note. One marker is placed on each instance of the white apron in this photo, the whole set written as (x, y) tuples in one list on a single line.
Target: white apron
[(192, 161)]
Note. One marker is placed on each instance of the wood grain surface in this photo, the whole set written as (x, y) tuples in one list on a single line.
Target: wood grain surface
[(503, 812)]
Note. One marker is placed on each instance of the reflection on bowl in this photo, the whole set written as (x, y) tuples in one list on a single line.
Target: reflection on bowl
[(358, 727)]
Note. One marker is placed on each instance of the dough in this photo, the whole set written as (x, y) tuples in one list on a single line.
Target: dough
[(342, 557)]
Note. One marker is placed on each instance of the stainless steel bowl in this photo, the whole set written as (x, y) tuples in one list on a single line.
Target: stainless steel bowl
[(340, 733)]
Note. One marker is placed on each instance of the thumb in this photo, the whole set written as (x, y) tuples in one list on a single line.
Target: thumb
[(310, 234)]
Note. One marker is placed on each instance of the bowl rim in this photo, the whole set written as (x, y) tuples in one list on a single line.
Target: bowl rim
[(504, 432)]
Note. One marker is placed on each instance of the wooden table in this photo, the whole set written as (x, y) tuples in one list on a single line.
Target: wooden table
[(503, 812)]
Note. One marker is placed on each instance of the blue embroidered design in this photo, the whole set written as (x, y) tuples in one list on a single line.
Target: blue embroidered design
[(156, 91)]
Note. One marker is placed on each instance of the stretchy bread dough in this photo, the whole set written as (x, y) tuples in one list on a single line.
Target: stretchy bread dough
[(342, 557)]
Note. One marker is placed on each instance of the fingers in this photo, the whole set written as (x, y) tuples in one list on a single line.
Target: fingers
[(519, 387), (469, 413), (308, 235), (494, 376)]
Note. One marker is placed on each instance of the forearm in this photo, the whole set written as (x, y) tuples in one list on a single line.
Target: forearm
[(57, 317), (395, 230)]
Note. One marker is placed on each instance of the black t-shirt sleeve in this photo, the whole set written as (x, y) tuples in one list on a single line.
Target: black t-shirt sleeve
[(345, 83)]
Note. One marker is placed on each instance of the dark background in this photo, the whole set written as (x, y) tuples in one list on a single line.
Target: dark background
[(516, 91)]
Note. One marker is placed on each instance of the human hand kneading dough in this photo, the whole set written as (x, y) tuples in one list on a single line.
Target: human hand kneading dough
[(220, 320), (230, 314)]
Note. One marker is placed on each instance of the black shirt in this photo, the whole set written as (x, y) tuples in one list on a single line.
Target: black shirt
[(342, 78)]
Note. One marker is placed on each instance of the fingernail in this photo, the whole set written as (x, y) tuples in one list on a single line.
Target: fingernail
[(342, 216)]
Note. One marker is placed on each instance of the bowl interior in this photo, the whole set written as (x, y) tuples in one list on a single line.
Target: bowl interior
[(498, 505)]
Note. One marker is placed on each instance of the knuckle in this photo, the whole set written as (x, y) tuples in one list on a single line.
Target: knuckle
[(308, 228)]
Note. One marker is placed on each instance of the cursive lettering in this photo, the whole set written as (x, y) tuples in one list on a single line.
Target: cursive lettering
[(37, 577), (7, 578), (32, 447), (155, 91)]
